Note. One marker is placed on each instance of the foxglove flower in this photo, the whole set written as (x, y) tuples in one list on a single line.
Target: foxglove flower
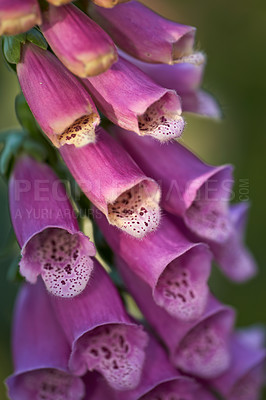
[(60, 104), (40, 351), (108, 3), (175, 269), (245, 377), (185, 78), (159, 380), (81, 45), (130, 99), (115, 184), (190, 188), (47, 230), (144, 34), (233, 258), (102, 336), (199, 348), (18, 16)]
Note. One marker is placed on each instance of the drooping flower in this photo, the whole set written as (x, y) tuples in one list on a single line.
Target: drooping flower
[(175, 269), (47, 230), (199, 348), (159, 380), (40, 351), (144, 34), (246, 375), (198, 192), (115, 184), (18, 16), (81, 45), (102, 336), (233, 258), (62, 107), (185, 78), (130, 99)]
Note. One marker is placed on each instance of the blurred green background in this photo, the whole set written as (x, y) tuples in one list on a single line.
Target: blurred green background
[(233, 35)]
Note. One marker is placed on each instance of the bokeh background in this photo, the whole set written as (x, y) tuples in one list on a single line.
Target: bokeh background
[(233, 34)]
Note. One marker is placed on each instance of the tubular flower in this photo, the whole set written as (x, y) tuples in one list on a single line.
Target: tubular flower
[(47, 230), (115, 184), (18, 16), (40, 351), (190, 188), (103, 337), (245, 377), (234, 259), (130, 99), (185, 78), (60, 104), (157, 41), (175, 269), (81, 45), (199, 347), (160, 380)]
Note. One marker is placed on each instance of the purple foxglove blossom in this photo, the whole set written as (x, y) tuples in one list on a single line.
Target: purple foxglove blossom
[(108, 3), (81, 45), (18, 16), (185, 79), (190, 188), (233, 258), (159, 380), (102, 336), (115, 184), (47, 230), (245, 377), (198, 348), (40, 351), (62, 107), (130, 99), (144, 34), (175, 269)]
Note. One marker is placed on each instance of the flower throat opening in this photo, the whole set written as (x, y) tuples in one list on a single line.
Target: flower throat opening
[(81, 132)]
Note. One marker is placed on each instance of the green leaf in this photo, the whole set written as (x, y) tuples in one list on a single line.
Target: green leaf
[(11, 48), (34, 36), (21, 37), (35, 149), (13, 270), (12, 145), (24, 114)]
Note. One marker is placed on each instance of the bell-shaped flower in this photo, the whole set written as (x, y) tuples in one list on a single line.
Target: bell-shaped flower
[(18, 16), (144, 34), (40, 351), (198, 192), (175, 269), (199, 348), (102, 336), (132, 100), (47, 230), (80, 44), (59, 102), (115, 184)]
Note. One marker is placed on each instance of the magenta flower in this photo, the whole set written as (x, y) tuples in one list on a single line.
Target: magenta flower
[(245, 377), (40, 351), (115, 184), (185, 78), (130, 99), (60, 104), (144, 34), (18, 16), (102, 336), (108, 3), (175, 269), (47, 230), (233, 258), (81, 45), (190, 188), (198, 347)]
